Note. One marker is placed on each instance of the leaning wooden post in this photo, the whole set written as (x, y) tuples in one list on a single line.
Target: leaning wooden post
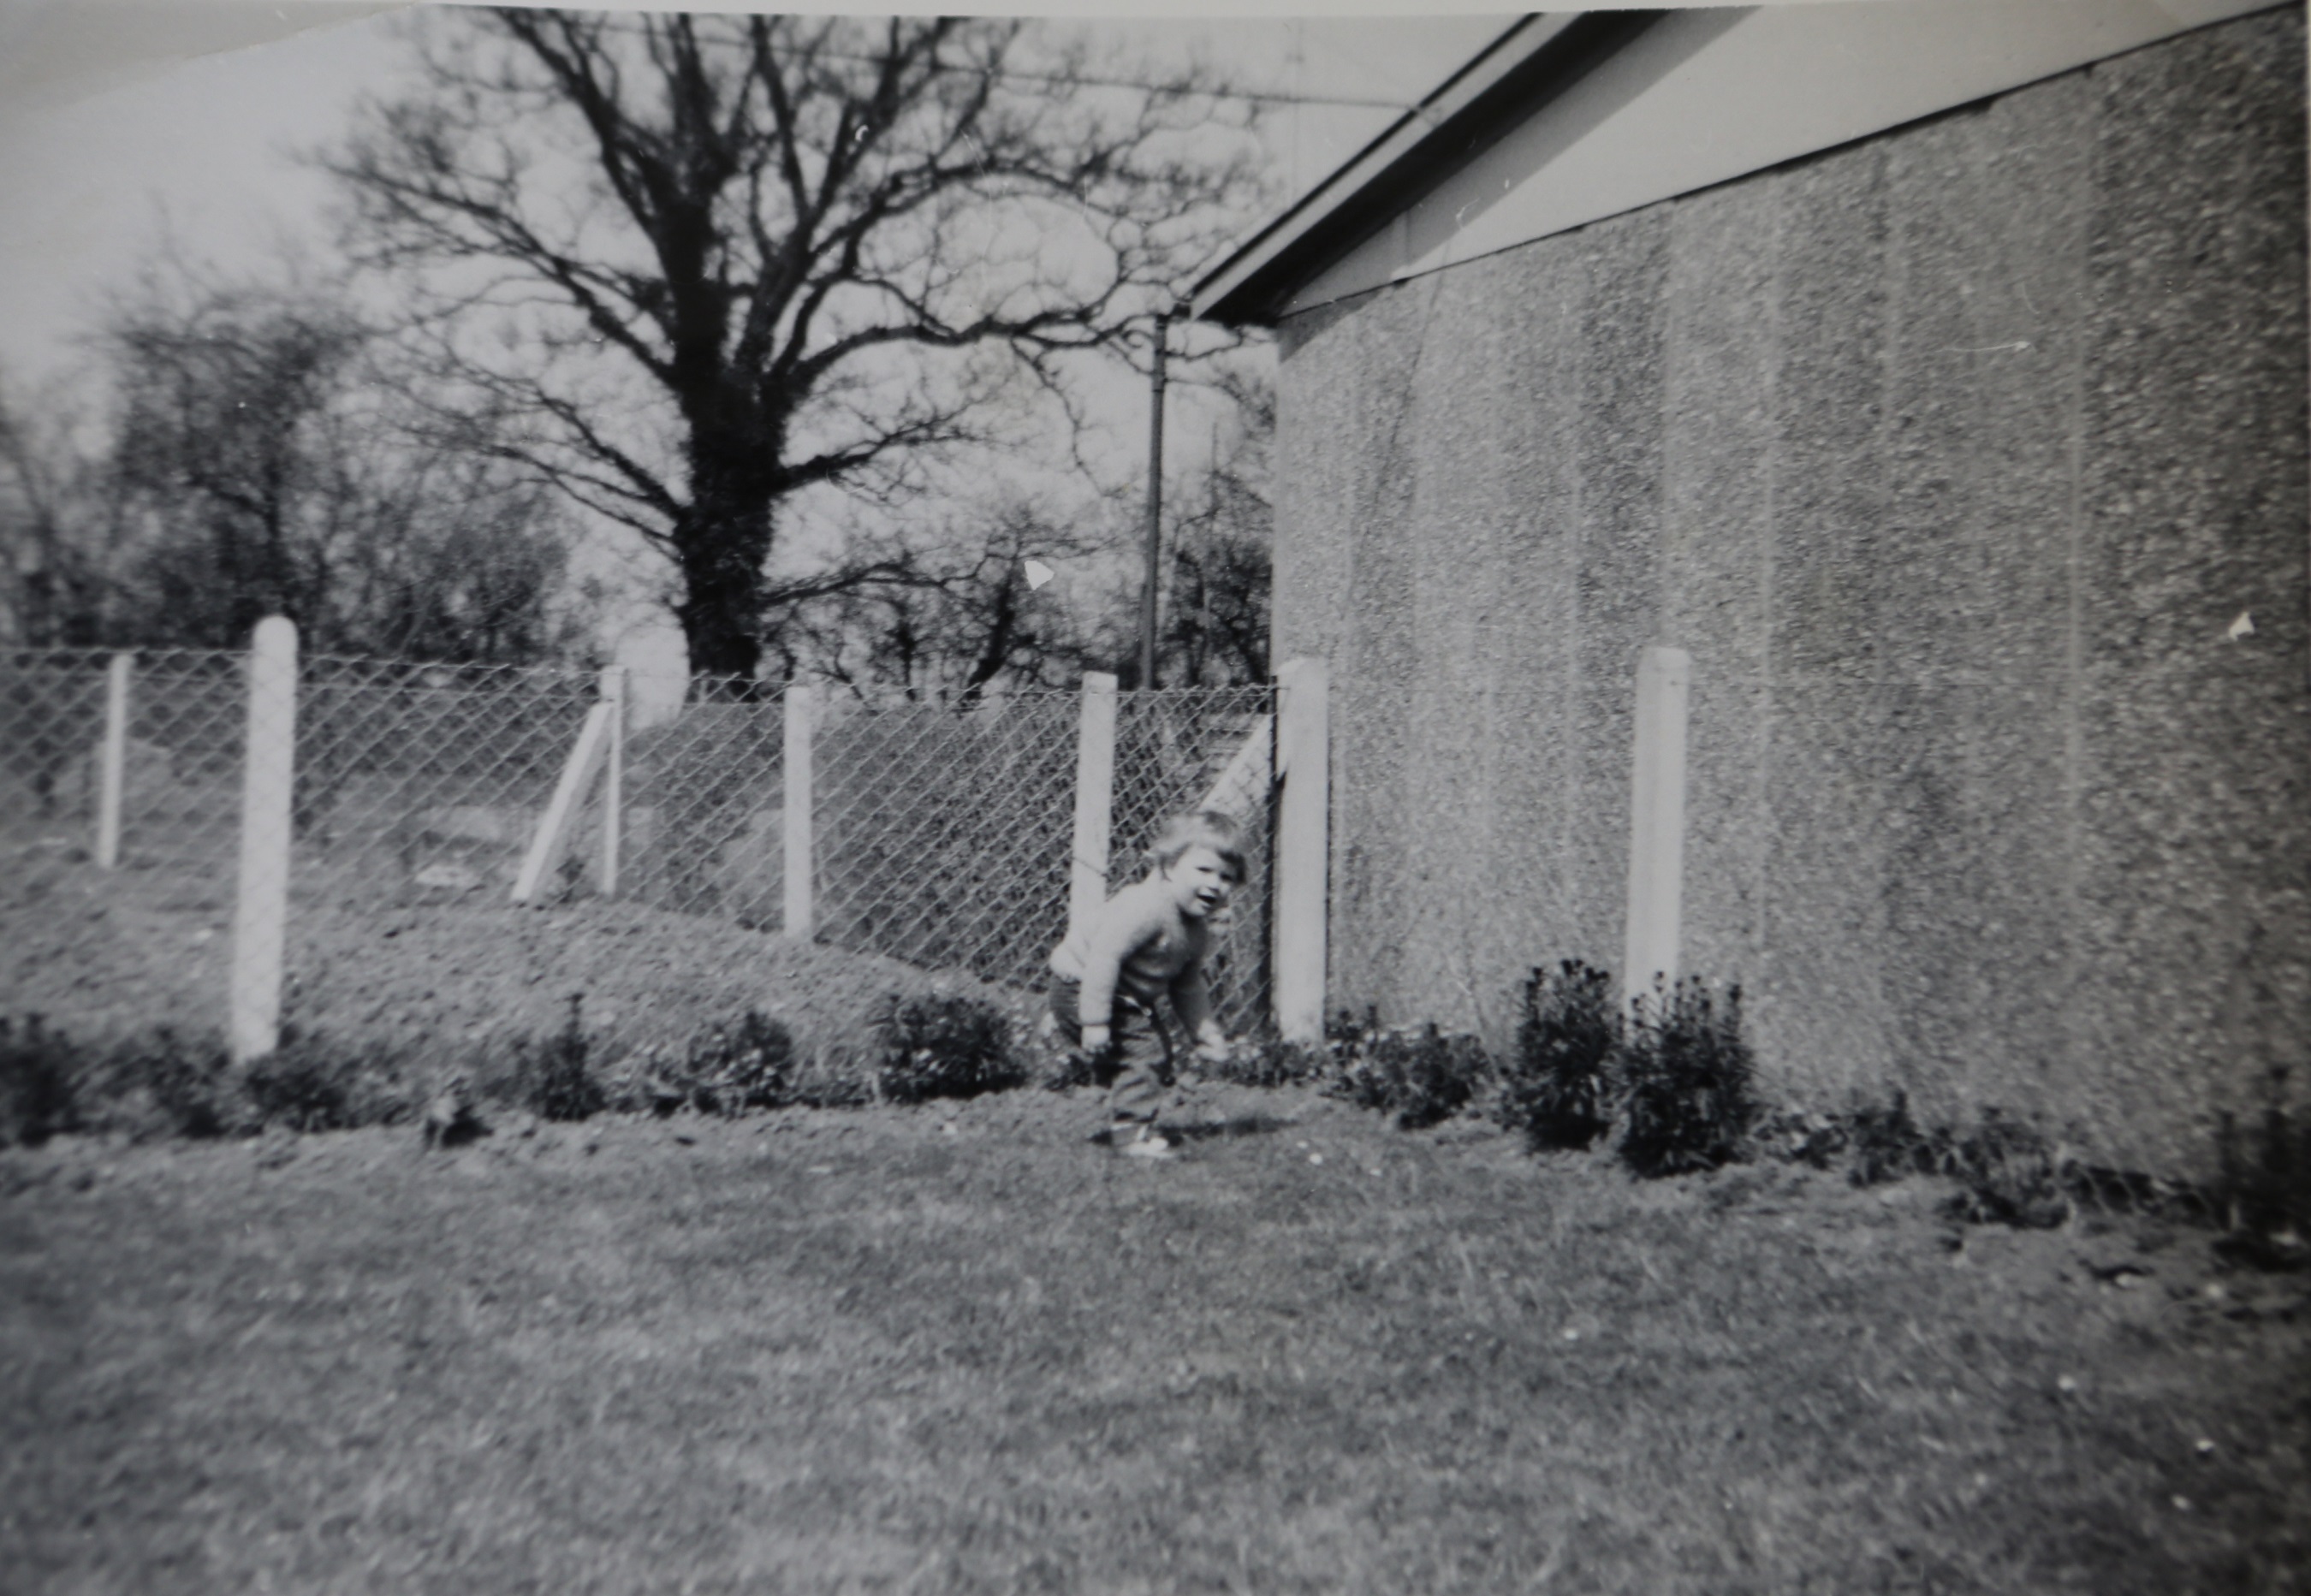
[(1095, 798), (112, 761), (1657, 822), (1304, 761), (261, 904), (547, 843), (614, 777), (796, 818)]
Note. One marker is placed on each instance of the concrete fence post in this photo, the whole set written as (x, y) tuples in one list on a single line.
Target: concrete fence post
[(261, 902), (1095, 798), (1657, 822), (614, 777), (796, 821), (1303, 760), (112, 761)]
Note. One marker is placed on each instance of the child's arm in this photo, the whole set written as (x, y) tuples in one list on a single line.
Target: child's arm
[(1191, 1000)]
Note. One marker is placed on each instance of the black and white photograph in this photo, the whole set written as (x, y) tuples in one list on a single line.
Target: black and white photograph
[(1120, 801)]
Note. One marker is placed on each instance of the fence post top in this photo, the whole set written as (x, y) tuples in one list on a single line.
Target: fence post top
[(275, 634), (1099, 681)]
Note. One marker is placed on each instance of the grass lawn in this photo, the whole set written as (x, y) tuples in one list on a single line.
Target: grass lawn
[(956, 1348)]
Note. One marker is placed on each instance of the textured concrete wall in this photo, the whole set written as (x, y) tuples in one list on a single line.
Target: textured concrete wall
[(1951, 456)]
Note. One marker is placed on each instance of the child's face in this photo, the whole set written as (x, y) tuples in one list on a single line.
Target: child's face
[(1201, 882)]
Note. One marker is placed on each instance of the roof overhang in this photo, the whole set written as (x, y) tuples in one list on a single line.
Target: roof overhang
[(1571, 117), (1517, 72)]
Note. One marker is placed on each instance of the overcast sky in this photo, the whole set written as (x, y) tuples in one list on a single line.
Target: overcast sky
[(104, 151), (125, 124)]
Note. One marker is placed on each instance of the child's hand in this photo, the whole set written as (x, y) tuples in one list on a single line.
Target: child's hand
[(1094, 1039), (1214, 1047)]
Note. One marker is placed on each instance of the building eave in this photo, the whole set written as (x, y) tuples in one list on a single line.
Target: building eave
[(1520, 69)]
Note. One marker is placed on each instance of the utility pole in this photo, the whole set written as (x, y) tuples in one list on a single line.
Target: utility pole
[(1211, 532), (1155, 510)]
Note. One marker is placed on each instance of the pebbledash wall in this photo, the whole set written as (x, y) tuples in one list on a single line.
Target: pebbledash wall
[(1953, 457)]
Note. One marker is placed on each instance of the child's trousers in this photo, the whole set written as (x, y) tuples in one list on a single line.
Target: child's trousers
[(1139, 1047)]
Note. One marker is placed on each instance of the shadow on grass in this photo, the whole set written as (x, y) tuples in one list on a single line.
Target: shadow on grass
[(1219, 1129)]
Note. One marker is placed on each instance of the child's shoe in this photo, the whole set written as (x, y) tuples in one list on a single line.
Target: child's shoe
[(1140, 1141)]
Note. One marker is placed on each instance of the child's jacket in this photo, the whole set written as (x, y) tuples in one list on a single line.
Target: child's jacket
[(1139, 944)]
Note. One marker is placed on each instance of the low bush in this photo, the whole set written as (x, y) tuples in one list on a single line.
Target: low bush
[(301, 1088), (751, 1065), (1687, 1100), (38, 1083), (186, 1083), (1270, 1064), (2007, 1171), (556, 1081), (1422, 1076), (943, 1044), (2009, 1174), (1888, 1144), (2266, 1175), (1558, 1087)]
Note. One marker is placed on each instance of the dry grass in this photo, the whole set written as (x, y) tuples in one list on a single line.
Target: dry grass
[(953, 1349)]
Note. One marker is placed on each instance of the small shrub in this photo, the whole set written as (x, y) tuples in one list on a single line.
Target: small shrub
[(943, 1044), (2266, 1180), (559, 1086), (751, 1065), (1887, 1144), (1423, 1077), (1800, 1135), (301, 1088), (1270, 1064), (1687, 1102), (1558, 1090), (2008, 1174), (39, 1095), (187, 1081)]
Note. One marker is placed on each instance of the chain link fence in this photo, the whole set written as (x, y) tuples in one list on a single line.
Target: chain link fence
[(1179, 750), (179, 749), (416, 780), (941, 831)]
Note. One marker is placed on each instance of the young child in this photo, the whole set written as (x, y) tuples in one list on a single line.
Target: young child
[(1143, 950)]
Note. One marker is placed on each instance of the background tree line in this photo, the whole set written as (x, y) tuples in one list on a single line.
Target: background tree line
[(769, 302)]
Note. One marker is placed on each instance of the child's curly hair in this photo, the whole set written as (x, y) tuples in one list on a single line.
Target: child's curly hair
[(1204, 828)]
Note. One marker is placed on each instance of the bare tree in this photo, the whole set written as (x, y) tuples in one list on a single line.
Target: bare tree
[(255, 460), (60, 530), (1215, 616), (955, 608), (274, 468), (706, 264)]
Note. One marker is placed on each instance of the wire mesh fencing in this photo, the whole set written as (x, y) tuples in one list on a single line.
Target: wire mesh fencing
[(702, 809), (415, 781), (941, 832), (51, 726), (171, 725), (1197, 748)]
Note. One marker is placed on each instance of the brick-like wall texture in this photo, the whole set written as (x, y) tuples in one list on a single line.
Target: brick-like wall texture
[(1952, 456)]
